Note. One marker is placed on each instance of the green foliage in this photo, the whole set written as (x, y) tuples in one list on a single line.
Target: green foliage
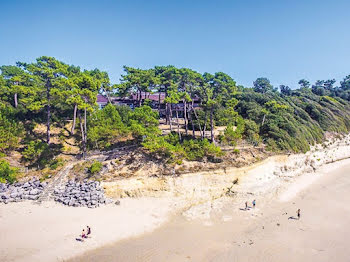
[(124, 112), (55, 163), (34, 150), (7, 173), (143, 122), (198, 149), (171, 148), (95, 167), (251, 132), (10, 133), (233, 132), (262, 85), (105, 127), (51, 93), (40, 154)]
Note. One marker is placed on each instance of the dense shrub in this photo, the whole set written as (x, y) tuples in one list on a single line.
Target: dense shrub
[(95, 167), (170, 147), (7, 173), (10, 133), (105, 127), (34, 150)]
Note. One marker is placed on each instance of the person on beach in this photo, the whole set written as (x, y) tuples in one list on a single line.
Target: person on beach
[(83, 234), (88, 229), (246, 205), (253, 203), (298, 213)]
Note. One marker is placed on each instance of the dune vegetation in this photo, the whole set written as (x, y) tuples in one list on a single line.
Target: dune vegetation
[(53, 95)]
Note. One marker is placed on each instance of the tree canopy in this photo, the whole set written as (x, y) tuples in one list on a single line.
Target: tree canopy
[(52, 94)]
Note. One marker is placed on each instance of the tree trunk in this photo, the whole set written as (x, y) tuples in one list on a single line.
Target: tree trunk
[(185, 117), (166, 114), (85, 134), (82, 131), (48, 115), (170, 116), (199, 123), (159, 102), (263, 121), (15, 98), (108, 97), (178, 125), (212, 126), (205, 123), (74, 118), (140, 98), (190, 118)]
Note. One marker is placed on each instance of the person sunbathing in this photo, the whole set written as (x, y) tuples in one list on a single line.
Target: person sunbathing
[(83, 235)]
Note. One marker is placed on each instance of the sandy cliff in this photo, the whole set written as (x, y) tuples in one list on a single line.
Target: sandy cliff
[(260, 178)]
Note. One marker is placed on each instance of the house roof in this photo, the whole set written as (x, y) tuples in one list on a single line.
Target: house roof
[(152, 97), (101, 99)]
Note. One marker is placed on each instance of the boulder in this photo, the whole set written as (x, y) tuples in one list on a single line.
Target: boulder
[(14, 195), (34, 192), (33, 197)]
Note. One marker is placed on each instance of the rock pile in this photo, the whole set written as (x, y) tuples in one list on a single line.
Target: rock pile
[(77, 194), (21, 191)]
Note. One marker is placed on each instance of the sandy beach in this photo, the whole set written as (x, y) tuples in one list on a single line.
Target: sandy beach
[(188, 227), (48, 232), (269, 232)]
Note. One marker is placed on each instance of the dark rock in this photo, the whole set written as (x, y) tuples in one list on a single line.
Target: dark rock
[(4, 197)]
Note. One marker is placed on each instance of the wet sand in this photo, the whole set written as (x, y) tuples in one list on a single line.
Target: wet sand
[(269, 232)]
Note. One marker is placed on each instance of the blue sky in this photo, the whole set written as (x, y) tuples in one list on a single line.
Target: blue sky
[(282, 40)]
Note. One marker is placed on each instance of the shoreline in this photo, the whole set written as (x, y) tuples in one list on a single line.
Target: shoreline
[(269, 232), (48, 231)]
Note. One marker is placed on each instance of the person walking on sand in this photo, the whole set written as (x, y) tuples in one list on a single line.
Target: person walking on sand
[(298, 213), (254, 203), (246, 205), (88, 229)]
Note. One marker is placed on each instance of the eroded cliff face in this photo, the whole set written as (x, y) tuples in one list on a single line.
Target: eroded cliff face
[(259, 178)]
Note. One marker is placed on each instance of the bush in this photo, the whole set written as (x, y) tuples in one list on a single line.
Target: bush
[(95, 167), (7, 173), (169, 147), (34, 150), (198, 149), (251, 132), (56, 163), (105, 127), (10, 132), (233, 133)]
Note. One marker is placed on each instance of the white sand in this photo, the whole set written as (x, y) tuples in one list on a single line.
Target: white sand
[(261, 234), (30, 232)]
